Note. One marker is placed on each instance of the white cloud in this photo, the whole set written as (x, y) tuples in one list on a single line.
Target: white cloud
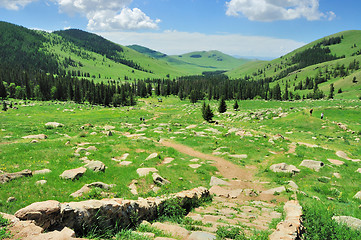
[(108, 15), (14, 4), (174, 42), (273, 10)]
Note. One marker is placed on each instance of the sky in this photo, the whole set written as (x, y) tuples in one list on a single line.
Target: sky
[(262, 29)]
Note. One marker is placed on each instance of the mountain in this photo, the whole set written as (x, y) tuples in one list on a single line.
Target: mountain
[(334, 59), (195, 62)]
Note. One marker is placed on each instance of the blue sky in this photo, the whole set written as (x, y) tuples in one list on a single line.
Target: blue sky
[(252, 28)]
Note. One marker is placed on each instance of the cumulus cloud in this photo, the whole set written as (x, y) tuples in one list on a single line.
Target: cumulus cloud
[(174, 43), (15, 4), (273, 10), (108, 15)]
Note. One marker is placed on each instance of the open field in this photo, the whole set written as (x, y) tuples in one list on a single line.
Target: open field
[(262, 133)]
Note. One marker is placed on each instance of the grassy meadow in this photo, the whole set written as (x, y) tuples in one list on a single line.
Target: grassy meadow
[(267, 140)]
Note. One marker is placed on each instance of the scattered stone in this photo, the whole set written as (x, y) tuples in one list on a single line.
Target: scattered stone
[(34, 141), (41, 182), (317, 198), (285, 168), (358, 195), (151, 156), (145, 171), (95, 166), (39, 136), (73, 174), (43, 171), (343, 155), (133, 187), (175, 230), (251, 192), (216, 181), (167, 160), (53, 124), (81, 149), (194, 160), (337, 175), (275, 190), (87, 187), (191, 126), (194, 166), (159, 179), (241, 156), (107, 128), (6, 177), (312, 164), (125, 163), (201, 236), (336, 162), (222, 192), (11, 199), (293, 185), (351, 222), (91, 148)]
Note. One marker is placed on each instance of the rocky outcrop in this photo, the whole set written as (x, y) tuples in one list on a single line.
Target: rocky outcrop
[(87, 187), (157, 179), (77, 215), (351, 222), (6, 177), (291, 228), (95, 166), (312, 164), (73, 174)]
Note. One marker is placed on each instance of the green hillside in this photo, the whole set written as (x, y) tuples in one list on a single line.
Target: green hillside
[(333, 59), (195, 62)]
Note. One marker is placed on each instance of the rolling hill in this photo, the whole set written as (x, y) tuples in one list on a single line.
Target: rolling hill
[(333, 59)]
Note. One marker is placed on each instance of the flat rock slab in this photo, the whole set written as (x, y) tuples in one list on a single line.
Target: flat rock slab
[(351, 222), (194, 166), (201, 236), (53, 124), (240, 156), (43, 171), (275, 190), (6, 177), (344, 155), (151, 156), (39, 136), (157, 179), (167, 160), (284, 168), (145, 171), (95, 166), (125, 163), (41, 182), (336, 162), (73, 174), (175, 230), (216, 181), (312, 164), (222, 192)]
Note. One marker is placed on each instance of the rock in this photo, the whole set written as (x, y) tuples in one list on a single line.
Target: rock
[(194, 166), (73, 174), (43, 213), (151, 156), (157, 179), (275, 190), (6, 177), (251, 192), (351, 222), (133, 187), (145, 171), (174, 230), (53, 124), (337, 175), (41, 182), (39, 136), (291, 227), (34, 141), (201, 236), (312, 164), (109, 133), (336, 162), (240, 156), (91, 148), (43, 171), (222, 192), (87, 187), (285, 168), (95, 166), (64, 234), (25, 230), (343, 155), (358, 170), (108, 127), (11, 199), (125, 163), (216, 181), (293, 185), (191, 126), (167, 160), (358, 195), (81, 149)]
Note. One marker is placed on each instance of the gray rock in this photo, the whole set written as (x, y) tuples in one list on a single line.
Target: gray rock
[(216, 181), (96, 166), (6, 177), (11, 199), (39, 136), (312, 164), (43, 171), (201, 236), (41, 182), (73, 174), (157, 179), (53, 124), (284, 167), (275, 190), (145, 171), (151, 156), (351, 222)]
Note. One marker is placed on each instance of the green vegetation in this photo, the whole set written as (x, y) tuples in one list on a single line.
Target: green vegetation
[(4, 228)]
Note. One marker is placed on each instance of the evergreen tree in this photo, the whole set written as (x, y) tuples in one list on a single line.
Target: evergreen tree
[(332, 90), (207, 113), (3, 93), (236, 106), (222, 106), (193, 96), (5, 107)]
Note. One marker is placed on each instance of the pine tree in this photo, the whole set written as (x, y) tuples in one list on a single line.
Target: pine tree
[(332, 89), (236, 106), (207, 113), (5, 107), (3, 93), (222, 106)]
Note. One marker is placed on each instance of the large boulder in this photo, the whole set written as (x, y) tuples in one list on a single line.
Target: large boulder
[(6, 177), (44, 214), (73, 174), (95, 166), (312, 164), (351, 222), (157, 179), (284, 168)]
